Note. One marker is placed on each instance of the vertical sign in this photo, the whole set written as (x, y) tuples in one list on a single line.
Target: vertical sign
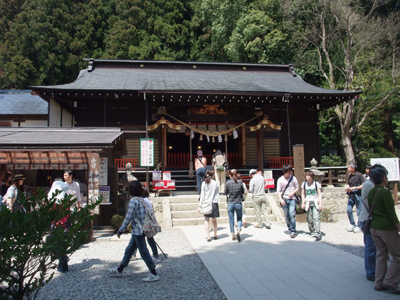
[(147, 152), (298, 162), (93, 180), (103, 172), (105, 192), (391, 164)]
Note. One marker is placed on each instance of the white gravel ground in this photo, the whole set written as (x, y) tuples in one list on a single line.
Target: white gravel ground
[(183, 275)]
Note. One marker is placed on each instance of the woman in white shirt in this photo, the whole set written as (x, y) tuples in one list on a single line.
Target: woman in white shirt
[(312, 202), (210, 193)]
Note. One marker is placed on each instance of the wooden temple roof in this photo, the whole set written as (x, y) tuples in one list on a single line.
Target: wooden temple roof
[(108, 78)]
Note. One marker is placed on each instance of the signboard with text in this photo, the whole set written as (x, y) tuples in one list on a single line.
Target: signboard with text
[(391, 164), (93, 179), (147, 152), (103, 172), (105, 192)]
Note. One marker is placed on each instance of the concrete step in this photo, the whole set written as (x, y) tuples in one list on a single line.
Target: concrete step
[(221, 220), (180, 207)]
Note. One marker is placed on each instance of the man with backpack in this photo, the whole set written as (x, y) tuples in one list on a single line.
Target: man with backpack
[(287, 188), (138, 216), (220, 166)]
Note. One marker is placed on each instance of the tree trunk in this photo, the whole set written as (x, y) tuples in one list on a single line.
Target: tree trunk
[(389, 144), (348, 147)]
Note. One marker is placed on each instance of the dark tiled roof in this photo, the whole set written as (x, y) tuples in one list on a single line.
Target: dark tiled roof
[(58, 137), (145, 76), (21, 102)]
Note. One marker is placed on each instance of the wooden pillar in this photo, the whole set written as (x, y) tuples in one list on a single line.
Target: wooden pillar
[(260, 149), (298, 162), (395, 195), (164, 147), (244, 145)]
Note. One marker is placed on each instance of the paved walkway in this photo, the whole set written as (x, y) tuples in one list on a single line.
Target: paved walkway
[(267, 264)]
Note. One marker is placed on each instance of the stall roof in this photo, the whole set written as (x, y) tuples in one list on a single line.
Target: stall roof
[(16, 137), (116, 76)]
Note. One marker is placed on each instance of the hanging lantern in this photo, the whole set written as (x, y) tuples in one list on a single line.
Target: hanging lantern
[(191, 134), (201, 138), (208, 138), (219, 139), (235, 134), (226, 138)]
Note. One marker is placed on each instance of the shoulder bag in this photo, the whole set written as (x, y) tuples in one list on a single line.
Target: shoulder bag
[(367, 225)]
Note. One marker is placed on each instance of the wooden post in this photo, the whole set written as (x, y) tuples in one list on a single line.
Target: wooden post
[(395, 195), (244, 145), (298, 162), (164, 147), (260, 150)]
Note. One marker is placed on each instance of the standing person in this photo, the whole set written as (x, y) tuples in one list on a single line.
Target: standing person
[(287, 187), (312, 202), (369, 246), (150, 240), (59, 185), (5, 183), (246, 192), (68, 178), (355, 182), (234, 195), (200, 165), (257, 188), (210, 193), (385, 229), (220, 165), (367, 168), (13, 193), (135, 215)]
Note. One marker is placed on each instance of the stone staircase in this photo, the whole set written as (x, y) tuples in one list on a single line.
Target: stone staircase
[(183, 211)]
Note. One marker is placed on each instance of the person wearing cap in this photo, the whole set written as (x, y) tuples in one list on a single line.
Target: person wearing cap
[(287, 187), (220, 165), (355, 183), (200, 164), (14, 203), (257, 188)]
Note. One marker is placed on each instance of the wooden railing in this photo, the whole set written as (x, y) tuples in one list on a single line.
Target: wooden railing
[(121, 162), (278, 162), (181, 160)]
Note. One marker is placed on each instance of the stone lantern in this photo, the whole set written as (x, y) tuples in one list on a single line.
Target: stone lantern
[(124, 181), (318, 175)]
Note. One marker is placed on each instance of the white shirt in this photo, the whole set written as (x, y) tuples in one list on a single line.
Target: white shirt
[(76, 188), (281, 184)]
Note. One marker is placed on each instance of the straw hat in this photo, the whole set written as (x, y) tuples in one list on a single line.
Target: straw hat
[(18, 177)]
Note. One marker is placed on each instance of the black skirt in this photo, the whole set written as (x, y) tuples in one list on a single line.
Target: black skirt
[(215, 211)]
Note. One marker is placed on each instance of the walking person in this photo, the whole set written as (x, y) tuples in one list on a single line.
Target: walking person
[(257, 188), (150, 240), (287, 187), (14, 202), (220, 165), (69, 179), (210, 194), (200, 164), (312, 202), (234, 196), (385, 228), (355, 182), (246, 192), (369, 245), (136, 216)]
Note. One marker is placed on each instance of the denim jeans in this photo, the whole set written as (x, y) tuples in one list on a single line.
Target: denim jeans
[(232, 208), (357, 201), (289, 210), (200, 172), (138, 242), (153, 246), (369, 254)]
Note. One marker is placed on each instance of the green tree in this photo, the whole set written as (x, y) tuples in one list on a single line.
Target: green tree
[(28, 252)]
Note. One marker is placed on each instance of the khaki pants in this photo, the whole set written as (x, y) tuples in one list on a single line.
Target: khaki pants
[(220, 178), (387, 242), (260, 205)]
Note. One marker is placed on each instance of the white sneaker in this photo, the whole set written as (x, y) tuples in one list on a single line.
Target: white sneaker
[(151, 278), (357, 230), (156, 260), (350, 228), (114, 272)]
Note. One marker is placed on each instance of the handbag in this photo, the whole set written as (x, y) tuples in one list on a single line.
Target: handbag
[(299, 209), (366, 228), (220, 169), (206, 208)]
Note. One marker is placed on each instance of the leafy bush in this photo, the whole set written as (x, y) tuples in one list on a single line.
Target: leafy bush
[(332, 160), (28, 252), (116, 222)]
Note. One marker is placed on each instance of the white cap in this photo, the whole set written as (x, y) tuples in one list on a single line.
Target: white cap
[(252, 171)]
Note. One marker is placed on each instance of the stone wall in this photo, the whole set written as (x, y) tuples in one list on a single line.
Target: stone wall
[(335, 199)]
